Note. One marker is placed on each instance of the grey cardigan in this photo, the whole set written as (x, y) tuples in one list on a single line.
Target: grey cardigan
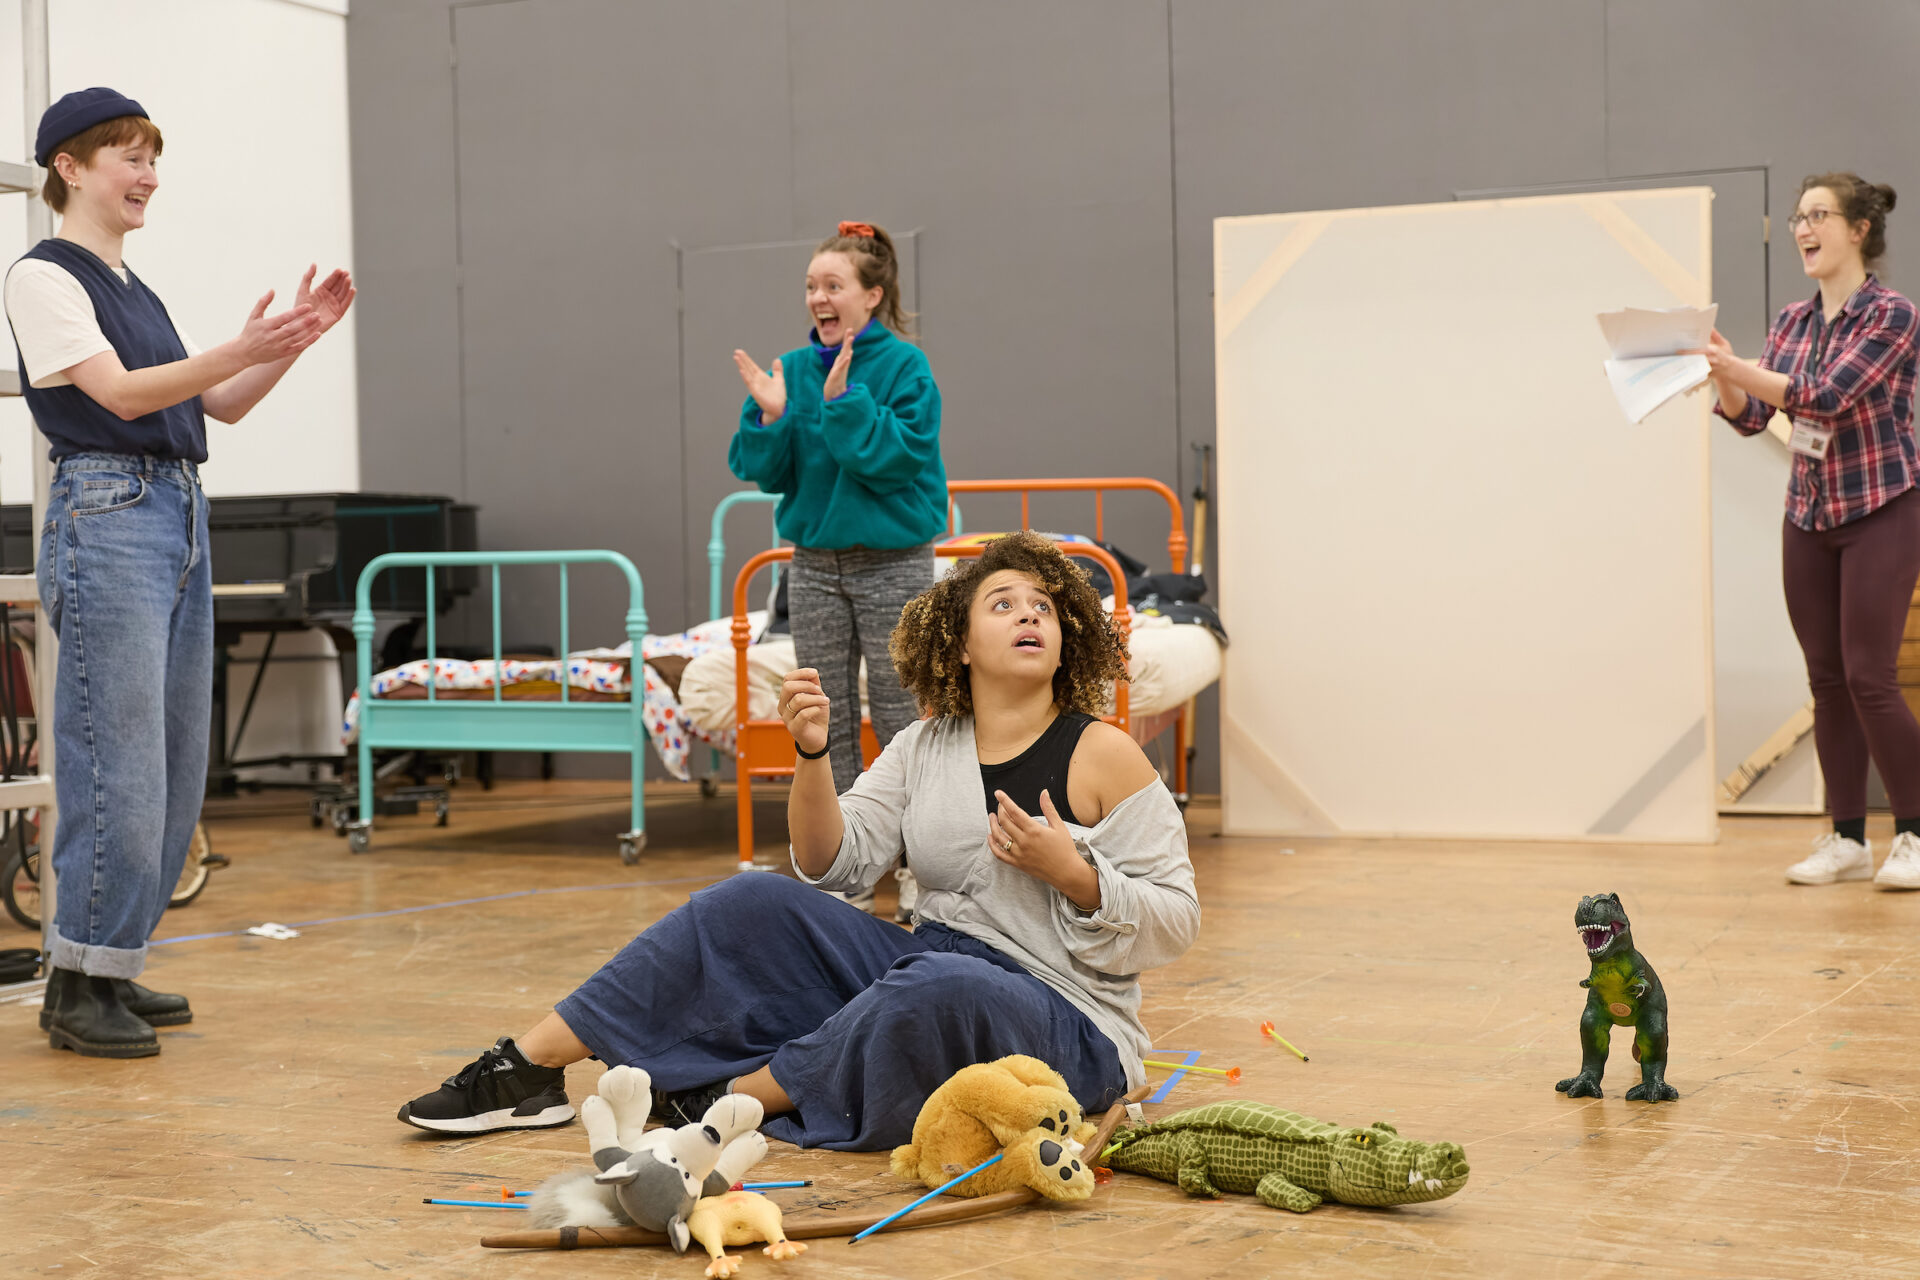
[(923, 797)]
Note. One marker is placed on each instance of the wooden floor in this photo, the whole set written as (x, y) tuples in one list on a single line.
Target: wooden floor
[(1433, 986)]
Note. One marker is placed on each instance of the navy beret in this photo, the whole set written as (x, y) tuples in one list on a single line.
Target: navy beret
[(76, 113)]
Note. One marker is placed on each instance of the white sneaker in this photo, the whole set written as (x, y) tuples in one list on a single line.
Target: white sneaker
[(1834, 858), (1901, 870), (910, 895)]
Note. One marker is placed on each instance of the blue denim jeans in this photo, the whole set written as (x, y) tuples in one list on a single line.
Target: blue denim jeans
[(859, 1020), (125, 581)]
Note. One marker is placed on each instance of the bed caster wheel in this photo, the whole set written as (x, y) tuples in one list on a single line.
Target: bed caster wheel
[(440, 813), (709, 788), (359, 837), (630, 846)]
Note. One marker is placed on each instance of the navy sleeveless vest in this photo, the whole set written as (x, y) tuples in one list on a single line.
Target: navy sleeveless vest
[(136, 323)]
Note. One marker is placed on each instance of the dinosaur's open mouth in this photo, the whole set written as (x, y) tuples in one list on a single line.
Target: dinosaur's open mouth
[(1595, 937)]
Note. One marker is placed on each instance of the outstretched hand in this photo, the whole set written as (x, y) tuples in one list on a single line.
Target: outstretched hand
[(265, 339), (768, 389), (331, 300)]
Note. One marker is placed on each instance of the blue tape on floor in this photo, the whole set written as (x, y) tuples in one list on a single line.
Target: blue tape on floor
[(1191, 1055), (442, 906)]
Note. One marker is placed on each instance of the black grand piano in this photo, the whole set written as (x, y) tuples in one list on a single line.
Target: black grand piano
[(283, 562)]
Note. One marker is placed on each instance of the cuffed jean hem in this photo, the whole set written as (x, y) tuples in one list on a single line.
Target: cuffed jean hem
[(96, 962)]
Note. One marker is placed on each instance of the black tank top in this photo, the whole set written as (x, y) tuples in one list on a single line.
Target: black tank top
[(1041, 767)]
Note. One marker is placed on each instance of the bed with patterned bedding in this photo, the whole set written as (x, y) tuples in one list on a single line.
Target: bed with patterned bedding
[(592, 675)]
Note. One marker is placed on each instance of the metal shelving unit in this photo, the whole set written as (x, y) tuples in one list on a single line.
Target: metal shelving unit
[(34, 791)]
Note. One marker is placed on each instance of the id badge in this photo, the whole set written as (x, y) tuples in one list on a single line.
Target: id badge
[(1809, 441)]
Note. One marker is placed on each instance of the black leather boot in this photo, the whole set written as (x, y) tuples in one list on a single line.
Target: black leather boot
[(85, 1014), (155, 1008)]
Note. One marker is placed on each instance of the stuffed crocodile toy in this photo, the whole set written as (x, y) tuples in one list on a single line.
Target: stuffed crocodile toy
[(1622, 990), (1288, 1160)]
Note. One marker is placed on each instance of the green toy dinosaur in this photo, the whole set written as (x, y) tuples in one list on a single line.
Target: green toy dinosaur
[(1622, 990), (1288, 1160)]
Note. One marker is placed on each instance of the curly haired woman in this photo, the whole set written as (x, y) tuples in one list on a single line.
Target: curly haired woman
[(1053, 868)]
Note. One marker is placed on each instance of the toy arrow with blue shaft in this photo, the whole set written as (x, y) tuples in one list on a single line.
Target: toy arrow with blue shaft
[(923, 1199)]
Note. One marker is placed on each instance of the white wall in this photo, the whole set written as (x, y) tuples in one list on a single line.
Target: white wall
[(252, 97)]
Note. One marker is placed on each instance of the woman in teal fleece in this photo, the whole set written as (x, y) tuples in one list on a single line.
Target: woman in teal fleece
[(847, 430)]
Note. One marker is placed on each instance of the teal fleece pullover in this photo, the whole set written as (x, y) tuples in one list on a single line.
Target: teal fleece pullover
[(862, 470)]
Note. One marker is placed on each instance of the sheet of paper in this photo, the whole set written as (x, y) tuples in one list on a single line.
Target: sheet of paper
[(1646, 368), (1641, 386)]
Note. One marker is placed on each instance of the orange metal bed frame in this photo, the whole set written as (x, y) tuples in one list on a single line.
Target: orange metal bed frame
[(764, 749)]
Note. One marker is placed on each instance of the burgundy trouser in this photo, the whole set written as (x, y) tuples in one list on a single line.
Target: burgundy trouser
[(1848, 591)]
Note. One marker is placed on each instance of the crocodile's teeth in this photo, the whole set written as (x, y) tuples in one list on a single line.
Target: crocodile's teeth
[(1413, 1176), (1434, 1184)]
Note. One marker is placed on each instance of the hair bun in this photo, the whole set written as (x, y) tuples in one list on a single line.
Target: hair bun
[(1886, 196)]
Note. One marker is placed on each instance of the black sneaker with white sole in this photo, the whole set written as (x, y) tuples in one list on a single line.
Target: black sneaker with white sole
[(498, 1090)]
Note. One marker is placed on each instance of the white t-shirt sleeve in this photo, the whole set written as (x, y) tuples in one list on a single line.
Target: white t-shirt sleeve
[(54, 323)]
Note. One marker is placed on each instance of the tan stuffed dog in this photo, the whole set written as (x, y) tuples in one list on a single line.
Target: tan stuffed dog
[(1019, 1105)]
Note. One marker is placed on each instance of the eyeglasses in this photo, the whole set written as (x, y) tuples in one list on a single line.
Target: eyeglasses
[(1812, 217)]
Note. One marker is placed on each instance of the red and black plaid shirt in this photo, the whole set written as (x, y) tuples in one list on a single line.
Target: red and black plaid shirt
[(1860, 386)]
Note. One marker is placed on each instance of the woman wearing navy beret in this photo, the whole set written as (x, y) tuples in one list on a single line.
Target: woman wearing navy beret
[(121, 395)]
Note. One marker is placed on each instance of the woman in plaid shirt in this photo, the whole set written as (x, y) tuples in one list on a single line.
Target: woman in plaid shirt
[(1841, 366)]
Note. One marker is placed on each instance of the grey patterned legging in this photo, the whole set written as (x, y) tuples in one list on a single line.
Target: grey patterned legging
[(845, 604)]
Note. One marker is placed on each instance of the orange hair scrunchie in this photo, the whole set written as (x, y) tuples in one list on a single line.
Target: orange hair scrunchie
[(861, 229)]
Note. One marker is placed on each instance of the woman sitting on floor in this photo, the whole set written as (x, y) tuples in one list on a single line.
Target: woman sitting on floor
[(1035, 917)]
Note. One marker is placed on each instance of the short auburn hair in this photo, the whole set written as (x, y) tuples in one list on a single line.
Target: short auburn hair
[(121, 131), (928, 644)]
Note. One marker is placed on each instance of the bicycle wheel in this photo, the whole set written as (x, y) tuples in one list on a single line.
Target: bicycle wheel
[(195, 872), (20, 886)]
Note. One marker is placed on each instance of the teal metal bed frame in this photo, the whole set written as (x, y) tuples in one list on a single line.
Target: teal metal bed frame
[(500, 724)]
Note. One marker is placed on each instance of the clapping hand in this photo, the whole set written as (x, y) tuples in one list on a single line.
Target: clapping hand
[(331, 300), (768, 389), (265, 339), (836, 385)]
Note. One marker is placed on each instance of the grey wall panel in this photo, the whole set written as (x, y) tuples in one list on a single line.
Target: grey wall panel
[(1339, 104), (583, 156), (1030, 142), (1799, 89), (400, 95)]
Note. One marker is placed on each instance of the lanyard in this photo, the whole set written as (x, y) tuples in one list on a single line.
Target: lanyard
[(1812, 469)]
